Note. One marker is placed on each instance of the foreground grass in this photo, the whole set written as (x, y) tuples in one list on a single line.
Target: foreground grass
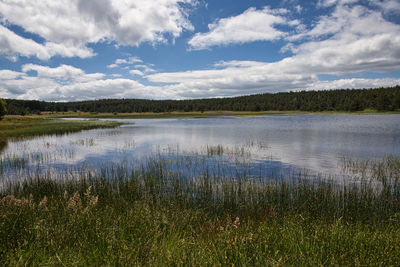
[(25, 126), (153, 216)]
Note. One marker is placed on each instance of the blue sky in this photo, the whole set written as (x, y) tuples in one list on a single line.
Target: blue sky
[(69, 50)]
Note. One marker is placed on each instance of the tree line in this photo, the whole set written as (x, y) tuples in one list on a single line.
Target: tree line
[(381, 99)]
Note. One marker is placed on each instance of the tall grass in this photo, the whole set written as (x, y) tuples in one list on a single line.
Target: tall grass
[(16, 127), (154, 215)]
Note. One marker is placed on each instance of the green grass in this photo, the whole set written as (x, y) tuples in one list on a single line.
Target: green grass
[(206, 114), (17, 126), (155, 216), (162, 115)]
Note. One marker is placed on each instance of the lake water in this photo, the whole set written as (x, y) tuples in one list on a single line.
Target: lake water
[(262, 146)]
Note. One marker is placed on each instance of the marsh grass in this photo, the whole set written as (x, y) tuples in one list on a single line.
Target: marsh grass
[(88, 142), (153, 215), (17, 127), (386, 170), (215, 150), (12, 162)]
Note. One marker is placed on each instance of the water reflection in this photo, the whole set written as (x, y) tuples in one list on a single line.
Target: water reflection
[(270, 145)]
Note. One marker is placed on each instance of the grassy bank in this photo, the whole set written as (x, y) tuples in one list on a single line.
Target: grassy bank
[(25, 126), (206, 114), (155, 216)]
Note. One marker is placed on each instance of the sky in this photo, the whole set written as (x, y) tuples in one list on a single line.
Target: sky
[(71, 50)]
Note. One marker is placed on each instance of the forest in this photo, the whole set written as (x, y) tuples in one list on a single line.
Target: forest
[(380, 99)]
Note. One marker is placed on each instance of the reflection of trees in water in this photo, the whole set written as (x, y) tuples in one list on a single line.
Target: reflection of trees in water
[(3, 145)]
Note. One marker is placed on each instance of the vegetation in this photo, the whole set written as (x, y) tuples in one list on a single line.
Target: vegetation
[(155, 216), (158, 215), (163, 115), (382, 99), (3, 108), (15, 126)]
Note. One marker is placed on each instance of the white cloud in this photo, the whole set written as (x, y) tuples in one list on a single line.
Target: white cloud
[(388, 6), (145, 68), (252, 25), (12, 44), (235, 78), (354, 83), (125, 61), (69, 84), (139, 68), (112, 66), (129, 61), (63, 71), (9, 74), (328, 3), (353, 39), (350, 40), (136, 72), (67, 26)]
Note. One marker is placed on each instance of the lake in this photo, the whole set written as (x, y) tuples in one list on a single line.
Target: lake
[(261, 146)]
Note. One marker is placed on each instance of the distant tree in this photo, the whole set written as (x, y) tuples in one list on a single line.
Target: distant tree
[(383, 103), (3, 108)]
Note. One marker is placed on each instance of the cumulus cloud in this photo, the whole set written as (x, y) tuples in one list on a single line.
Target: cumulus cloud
[(63, 71), (125, 61), (136, 72), (67, 26), (12, 44), (328, 3), (251, 25), (145, 68), (139, 68), (353, 39), (68, 83), (388, 6), (235, 78), (9, 74), (354, 83)]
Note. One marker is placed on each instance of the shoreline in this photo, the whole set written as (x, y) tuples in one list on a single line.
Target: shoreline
[(206, 114)]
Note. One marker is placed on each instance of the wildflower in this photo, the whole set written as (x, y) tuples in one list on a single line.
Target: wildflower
[(88, 191), (93, 201), (43, 203), (8, 200), (236, 223), (75, 202)]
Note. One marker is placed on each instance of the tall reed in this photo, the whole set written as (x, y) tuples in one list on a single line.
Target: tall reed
[(154, 215)]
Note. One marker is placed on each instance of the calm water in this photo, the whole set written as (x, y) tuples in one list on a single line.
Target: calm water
[(261, 146)]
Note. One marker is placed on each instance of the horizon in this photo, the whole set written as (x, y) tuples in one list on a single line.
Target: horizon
[(68, 51)]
